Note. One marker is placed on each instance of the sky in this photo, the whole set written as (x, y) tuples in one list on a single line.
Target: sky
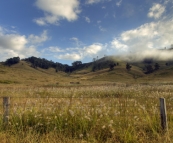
[(79, 30)]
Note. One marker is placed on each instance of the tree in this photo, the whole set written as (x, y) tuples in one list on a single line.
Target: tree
[(56, 70), (167, 64), (156, 66), (128, 66), (93, 68), (149, 69), (12, 61), (111, 66), (76, 63), (45, 64), (148, 61), (94, 59)]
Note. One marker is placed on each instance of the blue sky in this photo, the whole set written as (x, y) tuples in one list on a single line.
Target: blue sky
[(69, 30)]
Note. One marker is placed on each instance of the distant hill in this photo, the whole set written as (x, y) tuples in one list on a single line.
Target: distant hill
[(33, 72)]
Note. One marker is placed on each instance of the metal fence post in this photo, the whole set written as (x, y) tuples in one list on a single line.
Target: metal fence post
[(6, 109), (163, 114)]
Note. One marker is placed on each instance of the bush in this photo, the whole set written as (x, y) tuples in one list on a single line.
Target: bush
[(12, 61)]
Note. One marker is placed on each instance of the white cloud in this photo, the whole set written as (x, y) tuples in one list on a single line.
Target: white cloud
[(78, 53), (12, 41), (7, 53), (92, 1), (157, 54), (74, 39), (34, 39), (78, 43), (102, 29), (1, 29), (56, 10), (92, 49), (156, 11), (71, 56), (87, 19), (119, 3), (163, 55), (40, 21), (8, 50), (116, 44), (147, 30), (15, 45), (146, 40), (99, 21), (55, 49), (29, 51), (13, 27)]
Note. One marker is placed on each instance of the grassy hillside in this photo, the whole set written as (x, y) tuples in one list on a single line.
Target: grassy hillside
[(22, 74)]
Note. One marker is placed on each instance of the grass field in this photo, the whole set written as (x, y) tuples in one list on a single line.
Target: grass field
[(114, 113)]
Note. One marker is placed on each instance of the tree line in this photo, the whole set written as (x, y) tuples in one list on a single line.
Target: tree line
[(46, 64)]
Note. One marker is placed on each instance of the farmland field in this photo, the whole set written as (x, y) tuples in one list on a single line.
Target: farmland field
[(103, 113)]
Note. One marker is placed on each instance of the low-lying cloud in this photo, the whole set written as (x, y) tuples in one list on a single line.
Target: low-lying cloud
[(155, 54), (154, 35)]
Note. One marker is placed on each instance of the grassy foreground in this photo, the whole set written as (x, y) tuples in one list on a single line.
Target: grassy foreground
[(114, 113)]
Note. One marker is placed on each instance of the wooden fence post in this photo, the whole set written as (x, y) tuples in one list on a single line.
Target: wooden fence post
[(163, 114), (6, 109)]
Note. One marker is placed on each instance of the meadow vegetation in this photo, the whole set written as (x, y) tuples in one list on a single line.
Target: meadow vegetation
[(114, 113)]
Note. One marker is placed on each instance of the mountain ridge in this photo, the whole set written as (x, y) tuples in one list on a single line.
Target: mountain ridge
[(25, 74)]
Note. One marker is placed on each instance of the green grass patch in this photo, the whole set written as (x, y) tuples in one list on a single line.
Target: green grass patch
[(7, 82)]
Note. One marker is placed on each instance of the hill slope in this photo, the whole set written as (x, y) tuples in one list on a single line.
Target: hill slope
[(22, 74)]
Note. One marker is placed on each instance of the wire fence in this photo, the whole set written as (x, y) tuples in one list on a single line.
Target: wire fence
[(115, 107), (80, 102)]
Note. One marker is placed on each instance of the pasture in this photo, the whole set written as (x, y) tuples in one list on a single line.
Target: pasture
[(123, 113)]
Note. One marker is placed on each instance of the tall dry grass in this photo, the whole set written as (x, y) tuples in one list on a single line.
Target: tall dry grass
[(119, 113)]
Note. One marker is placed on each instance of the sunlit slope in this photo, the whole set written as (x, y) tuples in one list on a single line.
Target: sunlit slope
[(23, 74), (163, 75), (118, 74), (103, 63)]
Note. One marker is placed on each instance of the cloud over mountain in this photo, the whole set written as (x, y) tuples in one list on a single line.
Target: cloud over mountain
[(152, 35)]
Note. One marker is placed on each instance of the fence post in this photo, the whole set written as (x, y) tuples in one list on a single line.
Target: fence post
[(163, 114), (6, 108)]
